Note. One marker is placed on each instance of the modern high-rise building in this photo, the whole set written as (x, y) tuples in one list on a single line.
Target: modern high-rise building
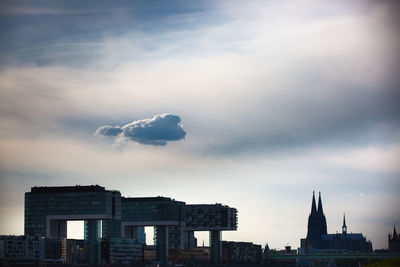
[(108, 215), (175, 223), (47, 210)]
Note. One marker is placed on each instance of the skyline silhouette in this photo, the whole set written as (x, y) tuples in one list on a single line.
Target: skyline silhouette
[(250, 104)]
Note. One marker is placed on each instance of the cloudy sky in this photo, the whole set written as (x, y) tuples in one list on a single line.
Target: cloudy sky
[(253, 105)]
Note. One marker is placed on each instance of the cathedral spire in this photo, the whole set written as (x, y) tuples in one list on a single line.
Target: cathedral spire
[(313, 206), (320, 210), (321, 217), (344, 227), (394, 233), (312, 227)]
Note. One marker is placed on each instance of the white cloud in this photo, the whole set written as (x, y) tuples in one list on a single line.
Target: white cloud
[(155, 131)]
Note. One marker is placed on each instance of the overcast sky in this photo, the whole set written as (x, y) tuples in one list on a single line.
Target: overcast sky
[(250, 104)]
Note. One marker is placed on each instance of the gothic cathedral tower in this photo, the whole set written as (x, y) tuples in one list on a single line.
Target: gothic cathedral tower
[(316, 222), (321, 217)]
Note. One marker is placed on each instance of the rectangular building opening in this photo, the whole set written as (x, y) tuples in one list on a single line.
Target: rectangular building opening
[(202, 237), (149, 230), (75, 229)]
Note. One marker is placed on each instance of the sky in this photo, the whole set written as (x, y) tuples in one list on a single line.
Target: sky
[(250, 104)]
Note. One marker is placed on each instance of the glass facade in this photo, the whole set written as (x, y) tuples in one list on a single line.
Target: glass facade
[(53, 204), (213, 217), (151, 209), (193, 217), (121, 251), (47, 209)]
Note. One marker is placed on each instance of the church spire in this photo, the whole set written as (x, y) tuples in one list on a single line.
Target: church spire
[(394, 233), (312, 227), (344, 227), (313, 206), (321, 217), (320, 210)]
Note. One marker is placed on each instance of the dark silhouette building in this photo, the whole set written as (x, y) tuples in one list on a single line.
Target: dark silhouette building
[(394, 241), (47, 210), (316, 222), (241, 252), (318, 239)]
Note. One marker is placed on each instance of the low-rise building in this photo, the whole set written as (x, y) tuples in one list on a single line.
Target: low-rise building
[(19, 249), (31, 249), (200, 254), (75, 251), (53, 250), (121, 251), (149, 253), (240, 252)]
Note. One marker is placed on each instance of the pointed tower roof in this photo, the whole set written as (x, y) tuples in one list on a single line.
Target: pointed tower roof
[(313, 206), (394, 233), (321, 217), (312, 226), (344, 220), (344, 227), (320, 210)]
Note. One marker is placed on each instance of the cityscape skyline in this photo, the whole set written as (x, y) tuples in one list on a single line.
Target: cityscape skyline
[(77, 229), (114, 233), (253, 105)]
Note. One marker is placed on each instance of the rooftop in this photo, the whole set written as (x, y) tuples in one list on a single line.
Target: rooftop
[(149, 199), (67, 189), (357, 236)]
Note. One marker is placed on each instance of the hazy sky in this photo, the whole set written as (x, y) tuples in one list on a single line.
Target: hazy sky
[(263, 102)]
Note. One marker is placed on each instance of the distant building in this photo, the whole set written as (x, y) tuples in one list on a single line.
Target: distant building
[(121, 251), (265, 251), (31, 250), (47, 210), (241, 252), (149, 254), (106, 214), (318, 239), (75, 251), (288, 250), (201, 254), (174, 223), (394, 241), (53, 250), (19, 249)]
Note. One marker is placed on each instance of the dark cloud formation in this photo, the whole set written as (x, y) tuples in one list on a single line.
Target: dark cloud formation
[(155, 131), (108, 130)]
